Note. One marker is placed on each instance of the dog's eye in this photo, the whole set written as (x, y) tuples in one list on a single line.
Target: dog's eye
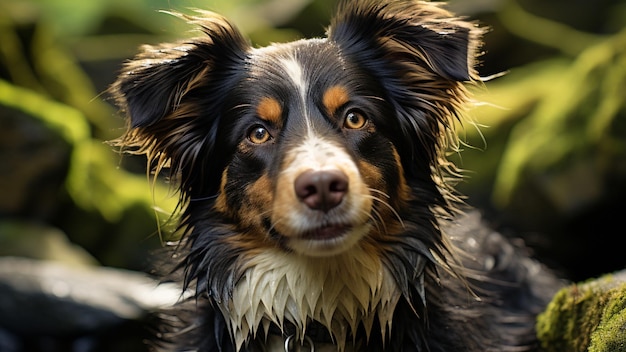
[(354, 120), (259, 135)]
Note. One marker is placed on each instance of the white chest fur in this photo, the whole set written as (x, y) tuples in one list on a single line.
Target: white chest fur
[(340, 292)]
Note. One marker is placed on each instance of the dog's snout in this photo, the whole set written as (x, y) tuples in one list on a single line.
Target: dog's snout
[(321, 190)]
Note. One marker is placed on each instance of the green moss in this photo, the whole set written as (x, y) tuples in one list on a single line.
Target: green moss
[(610, 335), (94, 181), (588, 316)]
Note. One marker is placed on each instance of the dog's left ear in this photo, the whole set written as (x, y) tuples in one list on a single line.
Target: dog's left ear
[(407, 30), (421, 55)]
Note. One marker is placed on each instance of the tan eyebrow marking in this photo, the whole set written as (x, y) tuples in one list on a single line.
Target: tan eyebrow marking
[(269, 109), (334, 98)]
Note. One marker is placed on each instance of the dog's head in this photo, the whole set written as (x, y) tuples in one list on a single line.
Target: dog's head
[(314, 148)]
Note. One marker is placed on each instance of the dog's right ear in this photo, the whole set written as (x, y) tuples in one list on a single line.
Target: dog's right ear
[(172, 94), (162, 78)]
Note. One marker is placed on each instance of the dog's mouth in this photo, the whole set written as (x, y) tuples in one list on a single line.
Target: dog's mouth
[(327, 240), (328, 232)]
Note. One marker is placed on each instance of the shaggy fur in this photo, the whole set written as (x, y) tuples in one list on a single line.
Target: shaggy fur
[(316, 203)]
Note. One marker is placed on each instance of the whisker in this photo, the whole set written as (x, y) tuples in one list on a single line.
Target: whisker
[(393, 211), (379, 192), (203, 198), (374, 97), (272, 224), (378, 220)]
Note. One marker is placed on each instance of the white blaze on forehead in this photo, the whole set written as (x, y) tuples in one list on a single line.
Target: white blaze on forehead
[(294, 71)]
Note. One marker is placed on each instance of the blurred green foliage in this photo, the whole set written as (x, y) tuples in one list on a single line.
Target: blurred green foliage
[(570, 107)]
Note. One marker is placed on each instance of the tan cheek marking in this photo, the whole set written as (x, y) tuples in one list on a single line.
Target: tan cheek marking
[(372, 176), (251, 243), (259, 195), (220, 203), (269, 109), (404, 191), (384, 205), (334, 98), (257, 203)]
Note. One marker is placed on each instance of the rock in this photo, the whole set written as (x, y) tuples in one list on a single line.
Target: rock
[(588, 316), (50, 301)]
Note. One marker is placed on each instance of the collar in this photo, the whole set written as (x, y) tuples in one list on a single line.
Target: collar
[(288, 339), (292, 343)]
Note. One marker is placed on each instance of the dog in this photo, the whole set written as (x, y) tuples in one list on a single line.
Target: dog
[(317, 207)]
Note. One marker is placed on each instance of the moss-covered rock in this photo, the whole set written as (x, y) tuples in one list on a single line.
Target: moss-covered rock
[(588, 316)]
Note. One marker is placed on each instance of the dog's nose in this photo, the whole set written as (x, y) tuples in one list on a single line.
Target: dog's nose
[(321, 190)]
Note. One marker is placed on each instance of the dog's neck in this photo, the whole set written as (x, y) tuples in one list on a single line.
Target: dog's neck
[(338, 292)]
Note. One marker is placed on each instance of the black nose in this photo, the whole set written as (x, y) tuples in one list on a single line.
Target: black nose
[(321, 190)]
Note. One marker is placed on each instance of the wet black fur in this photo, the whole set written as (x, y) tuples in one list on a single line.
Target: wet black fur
[(186, 106)]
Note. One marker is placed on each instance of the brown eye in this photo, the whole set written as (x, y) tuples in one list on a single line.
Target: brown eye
[(354, 120), (259, 135)]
